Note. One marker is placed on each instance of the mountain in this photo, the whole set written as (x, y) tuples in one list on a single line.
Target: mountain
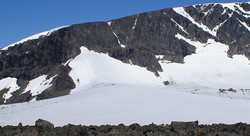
[(186, 63), (204, 48)]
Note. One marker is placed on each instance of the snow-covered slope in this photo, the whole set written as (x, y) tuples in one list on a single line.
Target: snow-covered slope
[(98, 68), (210, 67)]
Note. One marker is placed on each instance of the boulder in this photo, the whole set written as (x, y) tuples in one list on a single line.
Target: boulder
[(44, 124)]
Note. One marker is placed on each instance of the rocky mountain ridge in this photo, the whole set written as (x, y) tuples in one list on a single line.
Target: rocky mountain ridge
[(136, 40)]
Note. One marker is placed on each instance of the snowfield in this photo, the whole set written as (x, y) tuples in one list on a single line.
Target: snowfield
[(123, 103)]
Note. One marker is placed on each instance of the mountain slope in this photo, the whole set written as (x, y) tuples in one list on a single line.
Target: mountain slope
[(202, 47)]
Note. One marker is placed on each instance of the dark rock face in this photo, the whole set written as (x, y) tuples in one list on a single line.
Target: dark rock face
[(136, 39), (236, 36), (22, 97), (36, 57), (152, 34), (43, 56), (175, 129), (61, 84)]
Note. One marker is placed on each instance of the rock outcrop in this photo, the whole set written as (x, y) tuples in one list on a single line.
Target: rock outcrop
[(174, 129)]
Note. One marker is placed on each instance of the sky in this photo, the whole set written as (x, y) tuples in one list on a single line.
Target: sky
[(22, 18)]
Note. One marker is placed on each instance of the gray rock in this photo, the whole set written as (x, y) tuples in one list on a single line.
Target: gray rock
[(44, 124), (185, 125), (166, 82), (44, 128)]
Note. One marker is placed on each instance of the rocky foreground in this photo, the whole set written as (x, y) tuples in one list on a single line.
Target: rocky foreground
[(45, 128)]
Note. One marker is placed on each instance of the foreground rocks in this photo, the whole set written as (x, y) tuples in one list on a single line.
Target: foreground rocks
[(45, 128)]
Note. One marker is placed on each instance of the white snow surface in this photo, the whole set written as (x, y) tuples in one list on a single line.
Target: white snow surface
[(211, 67), (121, 103), (36, 36)]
